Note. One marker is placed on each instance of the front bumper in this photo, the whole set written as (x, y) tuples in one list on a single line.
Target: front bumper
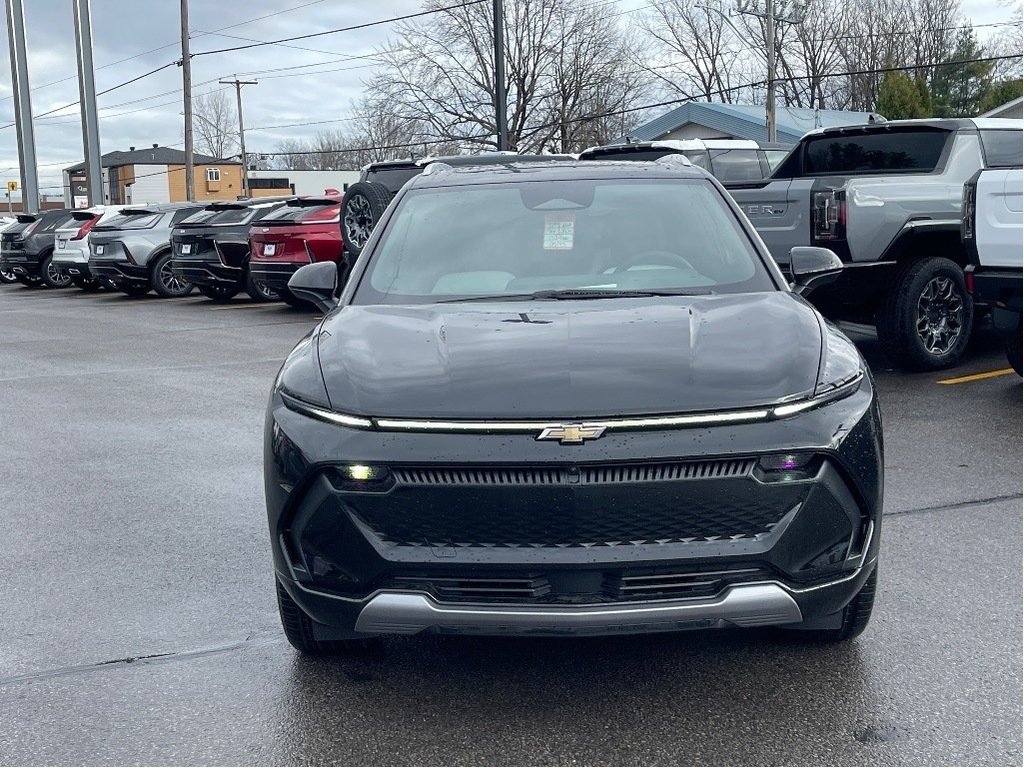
[(636, 532)]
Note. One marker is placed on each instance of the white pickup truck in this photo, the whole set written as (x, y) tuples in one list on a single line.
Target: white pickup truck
[(993, 233)]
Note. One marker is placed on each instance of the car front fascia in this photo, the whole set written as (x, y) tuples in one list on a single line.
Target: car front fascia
[(846, 431)]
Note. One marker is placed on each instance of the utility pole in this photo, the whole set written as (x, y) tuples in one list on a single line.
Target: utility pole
[(87, 99), (22, 107), (500, 97), (773, 14), (186, 80), (241, 129)]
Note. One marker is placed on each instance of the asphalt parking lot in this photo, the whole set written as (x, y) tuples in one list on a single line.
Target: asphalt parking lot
[(140, 624)]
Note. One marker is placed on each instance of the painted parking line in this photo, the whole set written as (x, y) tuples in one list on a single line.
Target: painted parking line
[(976, 376), (249, 304)]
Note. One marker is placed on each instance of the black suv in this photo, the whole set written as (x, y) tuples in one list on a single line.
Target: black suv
[(211, 249), (365, 201), (593, 405), (26, 249)]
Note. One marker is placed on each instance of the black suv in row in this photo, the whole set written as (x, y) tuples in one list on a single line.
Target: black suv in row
[(26, 249)]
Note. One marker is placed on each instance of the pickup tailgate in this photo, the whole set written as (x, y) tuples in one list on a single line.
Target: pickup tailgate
[(780, 212)]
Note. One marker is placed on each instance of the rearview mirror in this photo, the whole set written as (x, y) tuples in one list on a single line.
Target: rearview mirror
[(316, 283), (813, 267)]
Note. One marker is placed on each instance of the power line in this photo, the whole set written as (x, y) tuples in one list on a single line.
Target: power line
[(352, 28)]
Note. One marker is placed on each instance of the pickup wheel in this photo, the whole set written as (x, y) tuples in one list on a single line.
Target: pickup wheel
[(1013, 353), (361, 209), (924, 322)]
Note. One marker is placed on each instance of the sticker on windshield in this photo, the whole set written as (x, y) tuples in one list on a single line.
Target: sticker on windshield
[(559, 229)]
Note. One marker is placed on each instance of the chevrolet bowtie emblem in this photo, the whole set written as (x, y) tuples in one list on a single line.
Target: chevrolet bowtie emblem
[(571, 434)]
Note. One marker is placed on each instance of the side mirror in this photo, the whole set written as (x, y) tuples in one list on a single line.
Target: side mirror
[(316, 283), (813, 267)]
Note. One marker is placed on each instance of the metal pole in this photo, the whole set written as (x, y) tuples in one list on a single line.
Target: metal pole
[(186, 81), (22, 107), (241, 129), (87, 100), (500, 105), (770, 107)]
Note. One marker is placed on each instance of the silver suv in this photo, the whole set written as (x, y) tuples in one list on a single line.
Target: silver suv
[(133, 249), (71, 244)]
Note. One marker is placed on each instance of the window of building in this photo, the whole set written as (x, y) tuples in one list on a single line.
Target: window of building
[(213, 174)]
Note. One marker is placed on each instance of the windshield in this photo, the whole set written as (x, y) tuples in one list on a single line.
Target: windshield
[(521, 238)]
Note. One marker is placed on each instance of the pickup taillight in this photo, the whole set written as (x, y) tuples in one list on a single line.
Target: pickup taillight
[(828, 215), (968, 210)]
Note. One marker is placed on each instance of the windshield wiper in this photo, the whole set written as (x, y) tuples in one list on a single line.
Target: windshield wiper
[(584, 293)]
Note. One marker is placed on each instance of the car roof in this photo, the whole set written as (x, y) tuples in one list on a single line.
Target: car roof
[(676, 145), (948, 124), (443, 175), (483, 158)]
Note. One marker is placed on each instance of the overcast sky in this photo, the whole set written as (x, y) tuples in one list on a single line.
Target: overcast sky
[(148, 111)]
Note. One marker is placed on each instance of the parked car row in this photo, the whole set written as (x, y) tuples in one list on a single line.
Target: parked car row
[(174, 248), (887, 198)]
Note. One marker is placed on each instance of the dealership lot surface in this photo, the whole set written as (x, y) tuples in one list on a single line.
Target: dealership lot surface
[(140, 624)]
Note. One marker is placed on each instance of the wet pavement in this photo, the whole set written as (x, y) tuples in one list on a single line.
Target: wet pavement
[(140, 624)]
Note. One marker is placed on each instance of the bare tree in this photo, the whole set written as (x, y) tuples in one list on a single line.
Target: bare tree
[(699, 34), (215, 124), (562, 60)]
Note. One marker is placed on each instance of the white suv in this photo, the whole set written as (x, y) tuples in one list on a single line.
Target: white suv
[(71, 245)]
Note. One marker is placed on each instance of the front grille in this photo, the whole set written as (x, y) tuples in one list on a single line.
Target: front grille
[(595, 475), (601, 506)]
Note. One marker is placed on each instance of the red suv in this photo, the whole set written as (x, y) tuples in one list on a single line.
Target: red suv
[(303, 231)]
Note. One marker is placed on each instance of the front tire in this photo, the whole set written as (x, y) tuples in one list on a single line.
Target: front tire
[(52, 275), (1013, 353), (29, 281), (299, 629), (7, 277), (165, 282), (925, 321), (855, 617)]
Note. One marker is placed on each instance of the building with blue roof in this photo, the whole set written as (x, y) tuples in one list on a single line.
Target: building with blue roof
[(708, 120)]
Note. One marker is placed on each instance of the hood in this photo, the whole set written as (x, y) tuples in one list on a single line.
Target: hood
[(570, 359)]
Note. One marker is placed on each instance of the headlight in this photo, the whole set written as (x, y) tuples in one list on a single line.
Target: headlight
[(324, 414), (840, 376)]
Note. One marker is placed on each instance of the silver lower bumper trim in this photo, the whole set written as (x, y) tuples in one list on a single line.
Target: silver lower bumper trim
[(748, 605)]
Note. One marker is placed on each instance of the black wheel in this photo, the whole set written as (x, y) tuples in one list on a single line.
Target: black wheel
[(294, 301), (218, 292), (133, 288), (257, 289), (32, 281), (87, 284), (7, 277), (361, 209), (1013, 353), (52, 275), (856, 616), (165, 282), (925, 321), (298, 628)]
